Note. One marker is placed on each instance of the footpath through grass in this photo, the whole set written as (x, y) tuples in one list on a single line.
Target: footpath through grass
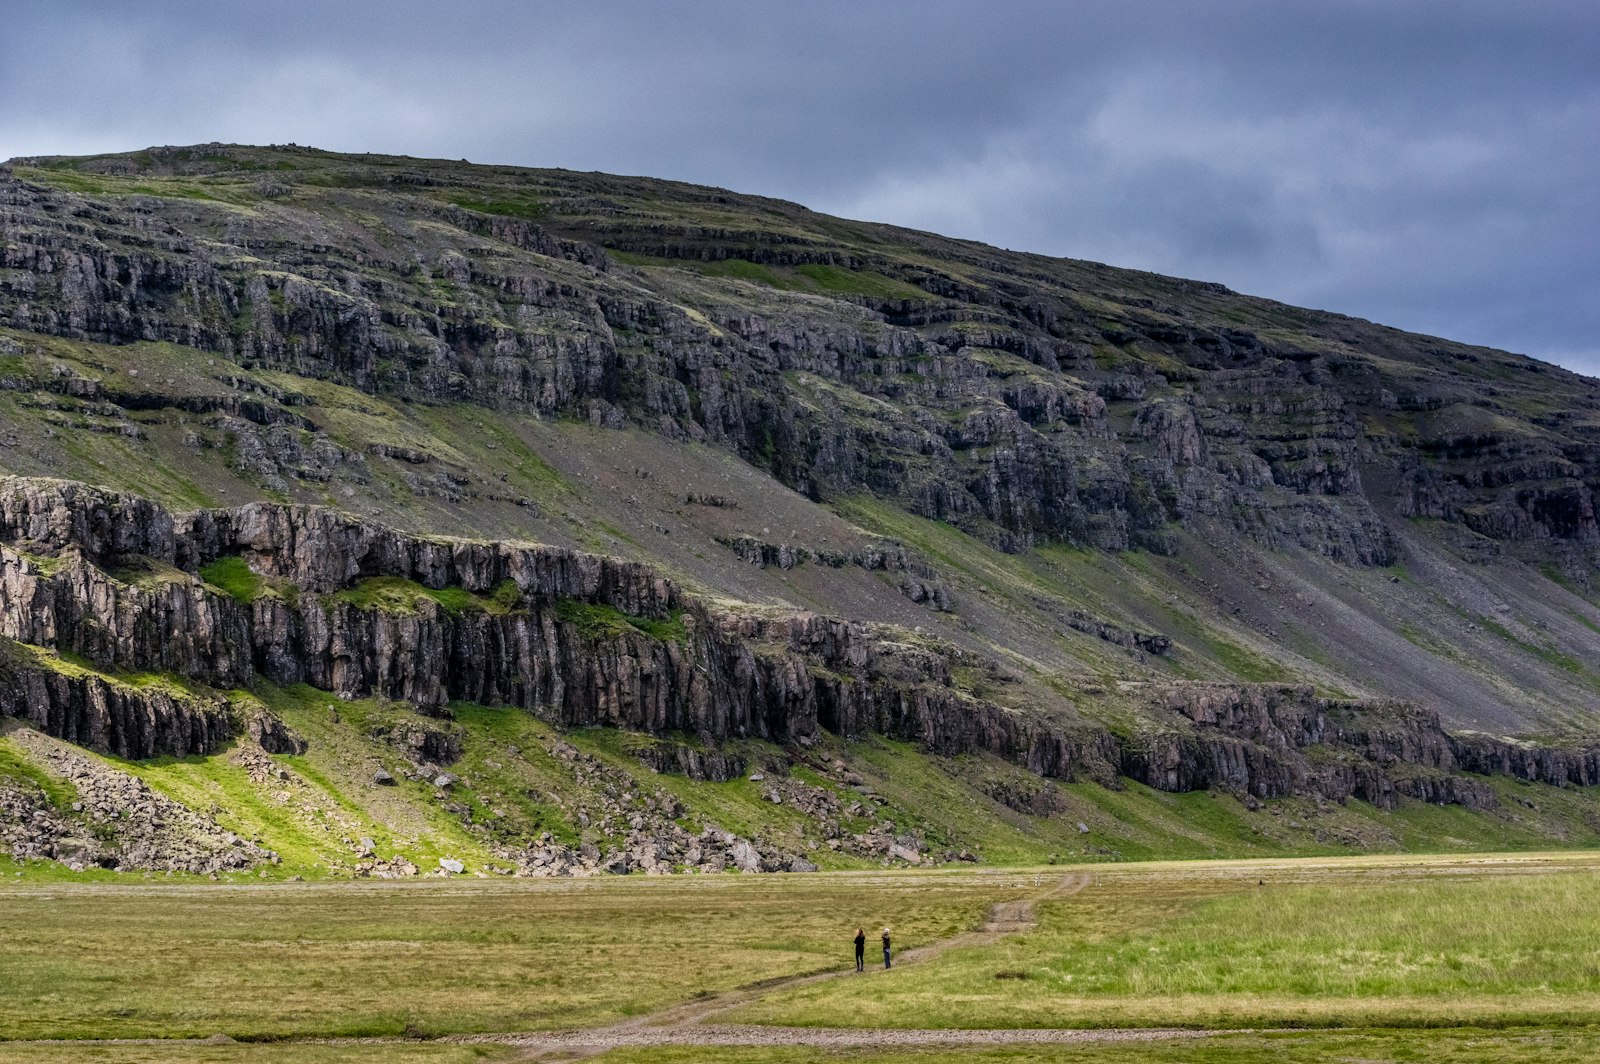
[(1377, 942), (1377, 1046), (382, 959), (1450, 959)]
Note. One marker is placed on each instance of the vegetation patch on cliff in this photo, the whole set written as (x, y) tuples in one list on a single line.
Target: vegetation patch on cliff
[(25, 655), (43, 564), (524, 207), (233, 576), (398, 595), (599, 621)]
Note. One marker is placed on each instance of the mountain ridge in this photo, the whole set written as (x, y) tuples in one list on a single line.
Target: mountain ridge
[(1080, 482)]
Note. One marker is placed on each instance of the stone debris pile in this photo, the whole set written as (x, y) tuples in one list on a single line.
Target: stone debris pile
[(117, 821)]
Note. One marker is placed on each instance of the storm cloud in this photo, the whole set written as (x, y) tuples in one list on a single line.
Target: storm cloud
[(1434, 166)]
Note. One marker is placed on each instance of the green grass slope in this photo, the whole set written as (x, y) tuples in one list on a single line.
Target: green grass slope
[(519, 784)]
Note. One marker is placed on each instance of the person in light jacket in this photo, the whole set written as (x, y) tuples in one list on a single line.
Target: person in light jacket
[(886, 947)]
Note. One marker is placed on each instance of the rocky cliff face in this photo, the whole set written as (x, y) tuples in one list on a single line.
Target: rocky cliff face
[(1027, 399), (780, 410), (116, 640), (105, 715)]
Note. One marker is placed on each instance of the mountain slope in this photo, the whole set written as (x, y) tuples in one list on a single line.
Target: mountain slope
[(1067, 490)]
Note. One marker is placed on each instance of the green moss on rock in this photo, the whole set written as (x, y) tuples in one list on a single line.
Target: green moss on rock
[(597, 621), (398, 595)]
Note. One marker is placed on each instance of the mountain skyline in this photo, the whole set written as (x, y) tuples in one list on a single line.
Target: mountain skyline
[(1430, 167), (406, 466)]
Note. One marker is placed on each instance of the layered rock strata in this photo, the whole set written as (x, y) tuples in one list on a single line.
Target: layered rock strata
[(1024, 398), (104, 713), (361, 610)]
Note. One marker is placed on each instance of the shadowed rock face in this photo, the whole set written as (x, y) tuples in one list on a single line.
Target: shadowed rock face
[(110, 717), (584, 640)]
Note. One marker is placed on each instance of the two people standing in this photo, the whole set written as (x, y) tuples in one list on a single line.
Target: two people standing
[(861, 949)]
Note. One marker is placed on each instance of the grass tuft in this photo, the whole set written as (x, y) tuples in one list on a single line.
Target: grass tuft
[(398, 595), (233, 576), (598, 621)]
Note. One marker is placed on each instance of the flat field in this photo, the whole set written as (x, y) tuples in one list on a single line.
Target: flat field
[(1287, 1047), (1453, 959), (1311, 943), (270, 961)]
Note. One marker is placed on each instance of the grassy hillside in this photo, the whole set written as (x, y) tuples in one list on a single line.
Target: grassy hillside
[(513, 789)]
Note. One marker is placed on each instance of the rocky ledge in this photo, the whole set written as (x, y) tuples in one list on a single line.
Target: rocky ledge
[(122, 621)]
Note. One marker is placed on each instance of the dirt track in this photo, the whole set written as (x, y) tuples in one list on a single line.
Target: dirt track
[(685, 1024), (1005, 918), (578, 1044)]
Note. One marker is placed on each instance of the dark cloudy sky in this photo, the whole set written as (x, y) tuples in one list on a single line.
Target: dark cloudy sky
[(1431, 165)]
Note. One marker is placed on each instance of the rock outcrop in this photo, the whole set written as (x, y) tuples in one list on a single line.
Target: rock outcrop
[(106, 714), (916, 579), (1271, 741), (361, 610), (710, 765), (650, 824), (1023, 398)]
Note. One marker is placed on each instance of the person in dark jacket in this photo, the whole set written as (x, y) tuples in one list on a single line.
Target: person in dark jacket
[(886, 947), (861, 949)]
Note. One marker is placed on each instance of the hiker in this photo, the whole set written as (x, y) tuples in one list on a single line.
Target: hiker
[(861, 949), (886, 947)]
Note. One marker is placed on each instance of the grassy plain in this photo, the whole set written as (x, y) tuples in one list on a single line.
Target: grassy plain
[(1377, 1046), (257, 1053), (1344, 1047), (1452, 959), (1373, 942), (280, 960)]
